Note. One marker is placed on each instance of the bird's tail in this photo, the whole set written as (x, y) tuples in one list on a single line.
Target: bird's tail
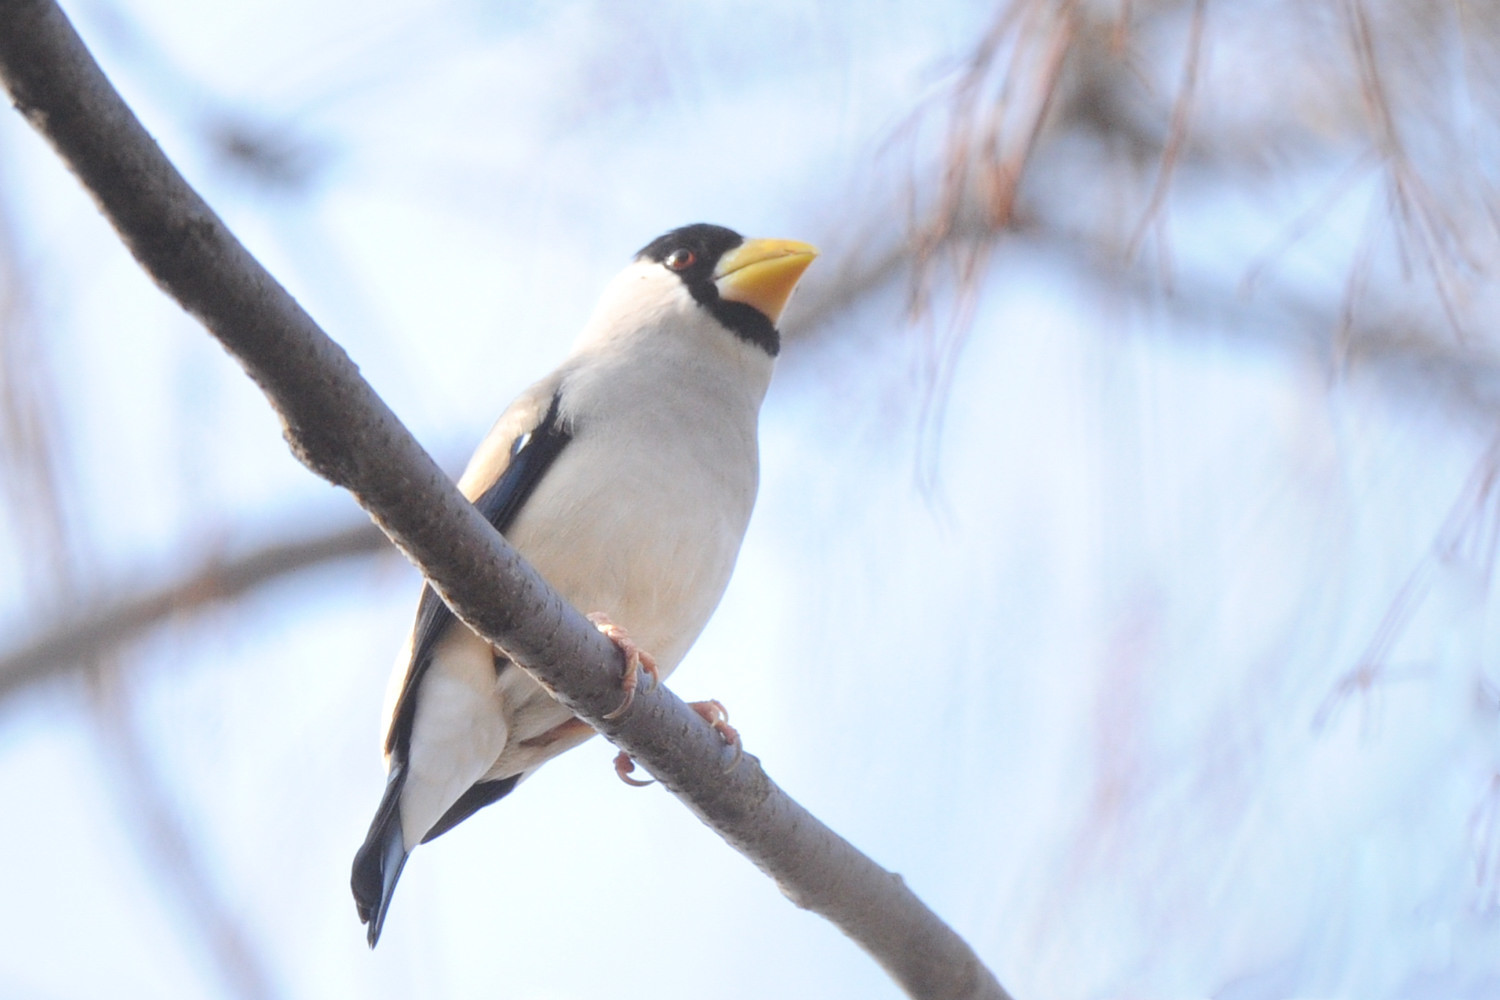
[(379, 860)]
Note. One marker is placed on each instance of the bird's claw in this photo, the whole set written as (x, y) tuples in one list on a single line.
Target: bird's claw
[(635, 657), (624, 764), (712, 712), (716, 715)]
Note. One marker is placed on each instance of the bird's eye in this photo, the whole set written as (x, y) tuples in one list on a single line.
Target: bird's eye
[(680, 259)]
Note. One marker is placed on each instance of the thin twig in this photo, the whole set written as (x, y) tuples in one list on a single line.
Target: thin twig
[(57, 558), (1177, 131), (173, 858), (1413, 206), (69, 644)]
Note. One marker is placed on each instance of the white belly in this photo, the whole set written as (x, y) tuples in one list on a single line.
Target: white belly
[(649, 542)]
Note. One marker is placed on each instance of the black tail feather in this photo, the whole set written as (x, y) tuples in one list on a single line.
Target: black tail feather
[(379, 860), (479, 795)]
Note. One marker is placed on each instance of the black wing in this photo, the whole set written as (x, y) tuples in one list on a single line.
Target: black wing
[(532, 454), (378, 863)]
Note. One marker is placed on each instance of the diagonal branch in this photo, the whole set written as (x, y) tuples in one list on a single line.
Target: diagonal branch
[(337, 425), (89, 633)]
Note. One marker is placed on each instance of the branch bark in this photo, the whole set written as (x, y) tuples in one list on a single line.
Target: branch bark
[(337, 425)]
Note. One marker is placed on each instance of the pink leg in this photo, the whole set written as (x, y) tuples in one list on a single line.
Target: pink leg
[(716, 715), (635, 657), (624, 764)]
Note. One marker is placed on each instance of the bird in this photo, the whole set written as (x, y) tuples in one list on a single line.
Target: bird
[(626, 477)]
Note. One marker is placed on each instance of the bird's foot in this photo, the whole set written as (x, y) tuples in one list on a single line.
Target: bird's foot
[(712, 712), (635, 657), (624, 765), (716, 715)]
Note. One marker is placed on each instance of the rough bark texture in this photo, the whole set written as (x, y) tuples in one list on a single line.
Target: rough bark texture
[(336, 424)]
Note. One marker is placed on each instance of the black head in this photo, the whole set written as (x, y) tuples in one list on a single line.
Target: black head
[(692, 253)]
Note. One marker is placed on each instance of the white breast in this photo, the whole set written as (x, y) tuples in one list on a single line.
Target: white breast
[(640, 516)]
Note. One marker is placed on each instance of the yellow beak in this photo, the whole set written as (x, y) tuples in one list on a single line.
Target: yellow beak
[(763, 273)]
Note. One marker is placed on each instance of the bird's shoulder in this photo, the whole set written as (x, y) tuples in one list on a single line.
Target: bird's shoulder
[(494, 454)]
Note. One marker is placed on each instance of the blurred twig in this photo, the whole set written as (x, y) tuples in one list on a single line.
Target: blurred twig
[(1182, 107), (171, 853), (1419, 216), (56, 557), (29, 424), (87, 633)]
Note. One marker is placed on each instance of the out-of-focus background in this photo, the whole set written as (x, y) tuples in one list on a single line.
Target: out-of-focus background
[(1122, 568)]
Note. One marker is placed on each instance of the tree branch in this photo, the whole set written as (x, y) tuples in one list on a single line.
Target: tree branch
[(342, 430), (87, 634)]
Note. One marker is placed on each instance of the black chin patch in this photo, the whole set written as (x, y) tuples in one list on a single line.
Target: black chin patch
[(707, 243)]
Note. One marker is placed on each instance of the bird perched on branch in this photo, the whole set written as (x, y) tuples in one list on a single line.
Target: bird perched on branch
[(626, 477)]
